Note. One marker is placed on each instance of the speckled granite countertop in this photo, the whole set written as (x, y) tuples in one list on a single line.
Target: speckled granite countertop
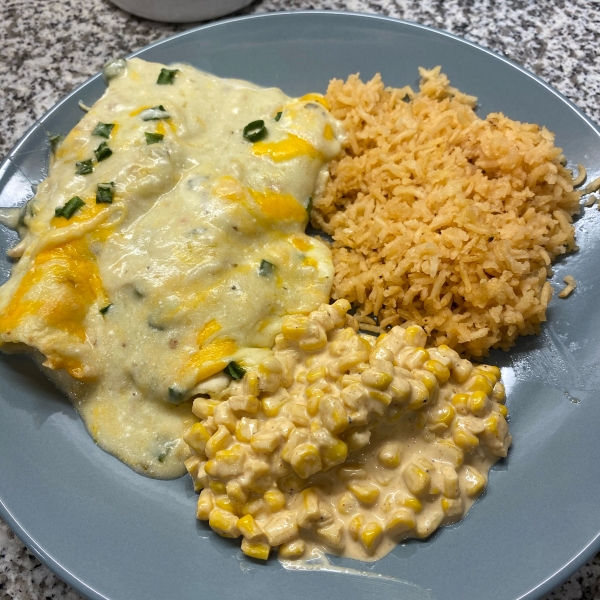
[(48, 47)]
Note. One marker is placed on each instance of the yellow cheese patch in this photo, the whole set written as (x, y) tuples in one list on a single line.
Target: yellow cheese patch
[(290, 147)]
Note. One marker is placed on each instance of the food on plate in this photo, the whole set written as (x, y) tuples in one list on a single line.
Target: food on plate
[(167, 244), (442, 219), (346, 443), (571, 286)]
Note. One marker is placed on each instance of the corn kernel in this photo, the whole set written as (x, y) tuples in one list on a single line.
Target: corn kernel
[(333, 454), (450, 452), (252, 383), (499, 393), (367, 493), (503, 410), (331, 535), (306, 460), (291, 482), (225, 503), (224, 523), (204, 408), (479, 383), (293, 549), (265, 440), (274, 499), (313, 402), (248, 528), (281, 528), (465, 439), (479, 404), (376, 379), (416, 358), (191, 465), (427, 379), (246, 403), (205, 505), (389, 455), (252, 507), (350, 360), (316, 373), (245, 429), (271, 405), (443, 415), (217, 487), (475, 482), (308, 513), (461, 370), (218, 441), (491, 424), (412, 503), (347, 503), (356, 524), (490, 371), (371, 535), (419, 396), (295, 327), (451, 486), (441, 372), (401, 520), (333, 414), (452, 507), (196, 437), (236, 492), (416, 479), (258, 550), (383, 398), (415, 336)]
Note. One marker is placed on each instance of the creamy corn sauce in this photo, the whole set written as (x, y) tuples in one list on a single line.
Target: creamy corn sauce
[(167, 242), (345, 444)]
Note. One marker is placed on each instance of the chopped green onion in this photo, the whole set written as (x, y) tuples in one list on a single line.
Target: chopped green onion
[(69, 209), (176, 396), (406, 98), (105, 309), (234, 370), (104, 193), (155, 114), (103, 130), (278, 115), (102, 152), (55, 142), (161, 457), (255, 131), (84, 167), (309, 205), (153, 138), (266, 268), (167, 77)]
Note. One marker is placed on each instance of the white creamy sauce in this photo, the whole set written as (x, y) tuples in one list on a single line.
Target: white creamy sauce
[(191, 263)]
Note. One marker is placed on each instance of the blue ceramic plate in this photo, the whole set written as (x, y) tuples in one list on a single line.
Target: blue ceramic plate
[(113, 534)]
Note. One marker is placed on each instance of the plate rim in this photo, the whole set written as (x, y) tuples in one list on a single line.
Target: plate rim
[(20, 531)]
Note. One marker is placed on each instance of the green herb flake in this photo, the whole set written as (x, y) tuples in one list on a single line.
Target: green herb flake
[(84, 167), (234, 370), (167, 77), (406, 98), (176, 396), (105, 309), (266, 268), (155, 114), (278, 115), (153, 138), (255, 131), (105, 193), (70, 208), (309, 206), (55, 142), (102, 152), (161, 457), (103, 130)]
